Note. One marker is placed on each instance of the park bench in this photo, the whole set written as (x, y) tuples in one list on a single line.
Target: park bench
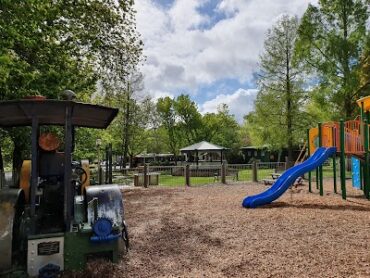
[(275, 176)]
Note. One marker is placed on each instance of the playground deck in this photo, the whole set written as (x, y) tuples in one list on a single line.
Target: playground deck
[(205, 232)]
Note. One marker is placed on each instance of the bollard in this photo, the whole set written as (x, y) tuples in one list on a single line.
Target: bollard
[(223, 173), (254, 171), (145, 175), (187, 175)]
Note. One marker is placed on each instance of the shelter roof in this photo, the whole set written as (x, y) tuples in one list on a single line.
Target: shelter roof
[(53, 112), (203, 146)]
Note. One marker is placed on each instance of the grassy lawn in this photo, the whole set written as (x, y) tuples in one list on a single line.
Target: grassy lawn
[(165, 179)]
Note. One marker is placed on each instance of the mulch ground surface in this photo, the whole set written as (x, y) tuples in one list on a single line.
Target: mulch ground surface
[(205, 232)]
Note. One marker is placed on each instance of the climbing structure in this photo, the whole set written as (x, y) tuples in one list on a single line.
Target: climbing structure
[(351, 138)]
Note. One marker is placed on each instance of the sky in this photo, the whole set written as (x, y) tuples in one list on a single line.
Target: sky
[(208, 49)]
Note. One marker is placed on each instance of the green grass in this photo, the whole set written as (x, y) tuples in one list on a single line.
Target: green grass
[(169, 180), (244, 175)]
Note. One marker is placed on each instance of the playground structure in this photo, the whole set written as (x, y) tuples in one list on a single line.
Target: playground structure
[(343, 138)]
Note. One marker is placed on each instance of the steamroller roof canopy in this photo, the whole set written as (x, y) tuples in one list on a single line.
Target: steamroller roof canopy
[(53, 112)]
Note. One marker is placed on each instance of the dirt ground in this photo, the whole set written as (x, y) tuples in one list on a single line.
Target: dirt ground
[(205, 232)]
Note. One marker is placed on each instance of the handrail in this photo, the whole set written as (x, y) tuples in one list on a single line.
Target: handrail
[(302, 153)]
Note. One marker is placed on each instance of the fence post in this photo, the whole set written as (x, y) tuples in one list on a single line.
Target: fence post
[(254, 171), (187, 175), (100, 171), (145, 175), (106, 176), (223, 173), (110, 166)]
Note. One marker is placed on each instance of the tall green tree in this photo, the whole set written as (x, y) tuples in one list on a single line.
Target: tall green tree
[(331, 41), (189, 118), (48, 46), (221, 128), (185, 125), (364, 70), (279, 117), (167, 115)]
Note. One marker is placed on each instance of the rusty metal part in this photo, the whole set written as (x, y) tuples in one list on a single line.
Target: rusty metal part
[(25, 178), (8, 202), (85, 165), (109, 203)]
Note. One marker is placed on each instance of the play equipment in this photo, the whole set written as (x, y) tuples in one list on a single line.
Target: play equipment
[(302, 154), (288, 178), (350, 138), (356, 172), (52, 219)]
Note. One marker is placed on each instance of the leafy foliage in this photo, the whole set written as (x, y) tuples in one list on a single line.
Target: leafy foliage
[(48, 46), (279, 115), (185, 125), (332, 38)]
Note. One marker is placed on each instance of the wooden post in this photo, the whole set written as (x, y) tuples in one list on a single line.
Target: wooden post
[(110, 167), (223, 173), (187, 175), (146, 180), (254, 171)]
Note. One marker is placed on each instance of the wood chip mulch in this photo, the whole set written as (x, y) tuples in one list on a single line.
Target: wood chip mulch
[(205, 232)]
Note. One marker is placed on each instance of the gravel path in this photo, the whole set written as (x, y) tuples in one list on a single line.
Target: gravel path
[(204, 232)]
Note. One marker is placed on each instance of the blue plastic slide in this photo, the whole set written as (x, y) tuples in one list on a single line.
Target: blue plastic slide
[(288, 178)]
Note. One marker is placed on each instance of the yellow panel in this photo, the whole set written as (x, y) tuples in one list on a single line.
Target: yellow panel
[(327, 136), (313, 138), (85, 165), (25, 178), (365, 101)]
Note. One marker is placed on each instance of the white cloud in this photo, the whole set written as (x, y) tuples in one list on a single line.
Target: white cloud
[(160, 94), (240, 103), (181, 55), (229, 49)]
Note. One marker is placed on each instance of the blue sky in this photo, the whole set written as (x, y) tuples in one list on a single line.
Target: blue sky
[(208, 49)]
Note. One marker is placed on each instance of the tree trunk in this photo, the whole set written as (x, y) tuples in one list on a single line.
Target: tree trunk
[(131, 161), (348, 105), (289, 114), (126, 123)]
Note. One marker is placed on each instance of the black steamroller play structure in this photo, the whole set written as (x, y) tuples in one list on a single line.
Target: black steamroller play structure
[(51, 220)]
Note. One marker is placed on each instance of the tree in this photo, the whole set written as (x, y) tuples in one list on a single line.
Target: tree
[(167, 114), (278, 118), (221, 128), (48, 46), (189, 118), (331, 43), (364, 71)]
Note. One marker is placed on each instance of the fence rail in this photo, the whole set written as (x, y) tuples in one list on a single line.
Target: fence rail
[(192, 175)]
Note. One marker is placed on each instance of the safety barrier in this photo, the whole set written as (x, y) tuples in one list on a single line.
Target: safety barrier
[(330, 137), (192, 175)]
